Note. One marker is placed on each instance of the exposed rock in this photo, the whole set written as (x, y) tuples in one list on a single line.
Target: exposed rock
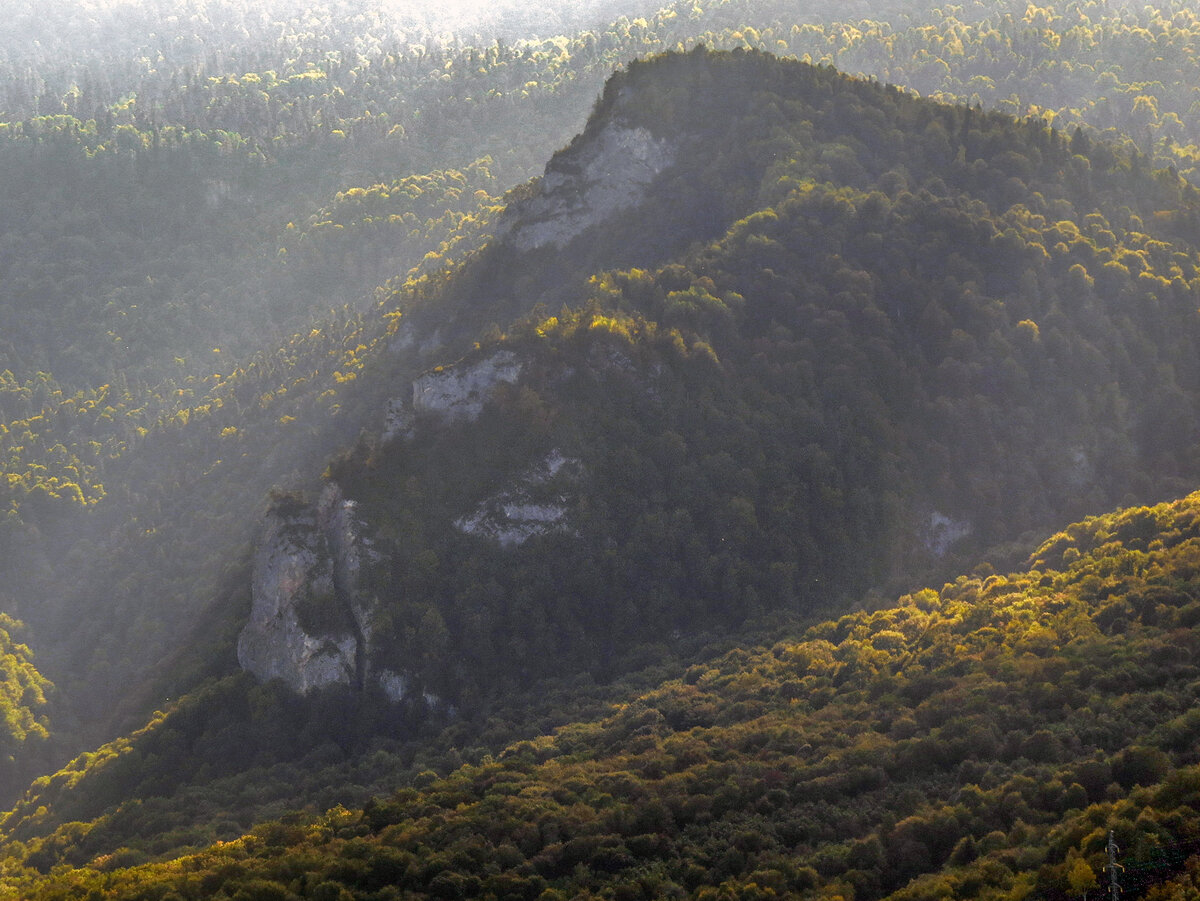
[(394, 686), (453, 393), (293, 570), (942, 532), (459, 392), (530, 507), (310, 624), (510, 525), (582, 189), (348, 547)]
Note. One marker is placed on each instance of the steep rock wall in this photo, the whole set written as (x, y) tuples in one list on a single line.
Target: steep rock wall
[(534, 505), (459, 392), (580, 190), (309, 625), (452, 393)]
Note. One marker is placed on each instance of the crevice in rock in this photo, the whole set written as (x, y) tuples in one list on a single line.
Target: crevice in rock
[(338, 526), (343, 598)]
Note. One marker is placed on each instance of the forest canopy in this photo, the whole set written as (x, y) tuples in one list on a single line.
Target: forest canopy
[(980, 741), (865, 330)]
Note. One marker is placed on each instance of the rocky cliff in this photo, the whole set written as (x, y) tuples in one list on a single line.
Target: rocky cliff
[(535, 504), (451, 393), (584, 187), (310, 622)]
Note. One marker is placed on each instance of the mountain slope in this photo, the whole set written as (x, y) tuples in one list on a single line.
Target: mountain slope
[(763, 343), (928, 334), (320, 115), (980, 741), (23, 722), (921, 340)]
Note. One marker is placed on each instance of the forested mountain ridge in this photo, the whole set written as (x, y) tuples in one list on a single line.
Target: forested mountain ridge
[(805, 408), (975, 742), (924, 335), (211, 116), (977, 326), (270, 105)]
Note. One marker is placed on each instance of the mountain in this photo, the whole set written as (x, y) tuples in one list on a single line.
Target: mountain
[(981, 741), (776, 342), (764, 343), (201, 212), (888, 332)]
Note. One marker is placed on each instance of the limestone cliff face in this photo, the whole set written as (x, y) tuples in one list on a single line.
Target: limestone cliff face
[(310, 624), (535, 504), (452, 393), (941, 533), (584, 187), (459, 392)]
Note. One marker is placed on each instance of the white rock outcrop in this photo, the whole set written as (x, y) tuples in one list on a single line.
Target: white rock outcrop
[(307, 566), (529, 507), (459, 392), (452, 393), (941, 533), (349, 549), (293, 569), (394, 685), (578, 191)]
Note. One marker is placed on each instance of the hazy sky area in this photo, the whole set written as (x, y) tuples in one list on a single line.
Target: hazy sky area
[(453, 11), (445, 14), (52, 33)]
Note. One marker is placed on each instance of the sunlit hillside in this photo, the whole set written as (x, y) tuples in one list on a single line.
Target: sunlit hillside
[(981, 741)]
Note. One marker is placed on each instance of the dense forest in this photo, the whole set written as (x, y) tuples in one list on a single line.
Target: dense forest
[(854, 299), (980, 741)]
